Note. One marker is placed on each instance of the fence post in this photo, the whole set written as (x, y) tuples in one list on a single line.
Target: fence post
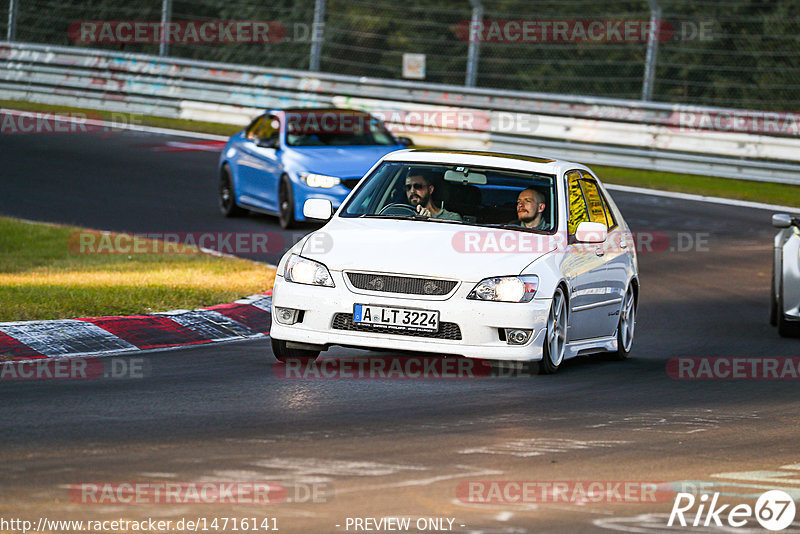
[(652, 51), (474, 43), (11, 31), (317, 38), (166, 17)]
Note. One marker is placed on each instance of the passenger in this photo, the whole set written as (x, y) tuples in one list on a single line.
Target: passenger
[(419, 190), (530, 210)]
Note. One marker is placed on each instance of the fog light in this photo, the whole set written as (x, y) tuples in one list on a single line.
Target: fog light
[(286, 315), (517, 336)]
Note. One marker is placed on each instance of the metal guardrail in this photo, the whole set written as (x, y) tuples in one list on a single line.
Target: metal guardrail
[(169, 87)]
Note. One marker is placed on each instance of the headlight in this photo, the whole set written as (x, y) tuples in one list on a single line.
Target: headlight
[(304, 271), (320, 180), (506, 288)]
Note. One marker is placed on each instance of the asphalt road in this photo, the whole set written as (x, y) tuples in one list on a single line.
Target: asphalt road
[(401, 448)]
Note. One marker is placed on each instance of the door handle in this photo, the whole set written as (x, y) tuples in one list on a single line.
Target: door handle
[(600, 251)]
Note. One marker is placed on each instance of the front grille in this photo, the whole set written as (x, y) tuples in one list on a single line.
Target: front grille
[(401, 284), (344, 321), (350, 183)]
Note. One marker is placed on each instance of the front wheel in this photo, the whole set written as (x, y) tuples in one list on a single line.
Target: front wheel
[(286, 203), (626, 326), (555, 341), (786, 328), (283, 353)]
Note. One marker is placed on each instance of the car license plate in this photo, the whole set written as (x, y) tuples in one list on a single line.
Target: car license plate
[(398, 318)]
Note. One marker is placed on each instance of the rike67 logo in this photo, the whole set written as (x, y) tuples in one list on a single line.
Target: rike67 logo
[(774, 510)]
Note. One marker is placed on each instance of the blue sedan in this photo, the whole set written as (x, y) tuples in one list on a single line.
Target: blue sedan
[(285, 157)]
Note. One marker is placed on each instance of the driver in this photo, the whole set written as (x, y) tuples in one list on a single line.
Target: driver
[(419, 190), (530, 210)]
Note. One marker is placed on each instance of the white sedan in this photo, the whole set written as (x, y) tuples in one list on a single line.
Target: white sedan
[(785, 295), (483, 255)]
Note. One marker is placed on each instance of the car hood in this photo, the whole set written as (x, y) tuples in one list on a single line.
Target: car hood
[(415, 247), (341, 161)]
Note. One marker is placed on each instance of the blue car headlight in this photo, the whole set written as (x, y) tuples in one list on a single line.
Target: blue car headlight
[(319, 180)]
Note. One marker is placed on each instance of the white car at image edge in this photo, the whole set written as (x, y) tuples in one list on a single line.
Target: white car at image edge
[(785, 294), (466, 276)]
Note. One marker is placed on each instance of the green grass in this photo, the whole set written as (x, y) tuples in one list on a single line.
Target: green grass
[(44, 275)]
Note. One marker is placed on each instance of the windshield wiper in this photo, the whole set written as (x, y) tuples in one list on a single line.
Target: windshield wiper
[(376, 216), (413, 218)]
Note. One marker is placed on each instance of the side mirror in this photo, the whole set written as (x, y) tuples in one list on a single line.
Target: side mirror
[(268, 142), (781, 220), (591, 232), (318, 208), (405, 141)]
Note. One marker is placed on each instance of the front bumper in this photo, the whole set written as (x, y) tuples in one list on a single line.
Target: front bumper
[(478, 321)]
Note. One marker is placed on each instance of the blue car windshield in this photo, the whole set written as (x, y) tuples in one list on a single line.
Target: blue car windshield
[(335, 128), (457, 194)]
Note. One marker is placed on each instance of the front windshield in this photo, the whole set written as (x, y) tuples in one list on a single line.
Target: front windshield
[(457, 194), (335, 128)]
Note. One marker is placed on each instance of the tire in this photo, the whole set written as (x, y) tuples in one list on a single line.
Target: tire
[(227, 196), (286, 203), (555, 339), (283, 353), (625, 326), (786, 327)]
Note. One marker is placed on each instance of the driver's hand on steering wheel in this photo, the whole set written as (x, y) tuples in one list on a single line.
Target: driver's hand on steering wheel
[(425, 212)]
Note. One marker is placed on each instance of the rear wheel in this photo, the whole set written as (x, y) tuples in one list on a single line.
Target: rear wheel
[(626, 326), (227, 197), (286, 203), (555, 341), (283, 353)]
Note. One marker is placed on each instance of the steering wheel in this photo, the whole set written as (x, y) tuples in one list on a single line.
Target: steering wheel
[(397, 209)]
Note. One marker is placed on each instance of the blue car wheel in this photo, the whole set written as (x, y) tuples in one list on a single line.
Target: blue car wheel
[(286, 203), (227, 196)]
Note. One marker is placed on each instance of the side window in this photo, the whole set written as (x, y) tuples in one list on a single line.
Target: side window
[(597, 212), (254, 127), (264, 127), (610, 222), (609, 214), (577, 204)]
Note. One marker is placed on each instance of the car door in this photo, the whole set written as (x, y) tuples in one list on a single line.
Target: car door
[(259, 166), (584, 267), (615, 255)]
